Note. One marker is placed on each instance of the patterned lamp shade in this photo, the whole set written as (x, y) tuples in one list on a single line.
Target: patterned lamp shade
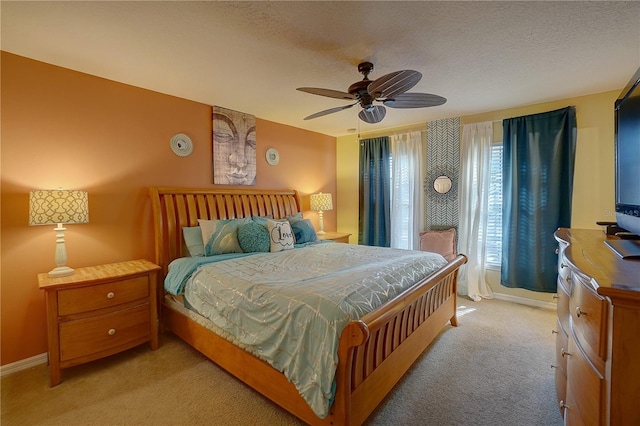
[(52, 206), (321, 202)]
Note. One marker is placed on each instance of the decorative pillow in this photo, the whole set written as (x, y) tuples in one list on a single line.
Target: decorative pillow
[(280, 235), (304, 231), (221, 236), (295, 218), (253, 237), (262, 220), (193, 240), (442, 242)]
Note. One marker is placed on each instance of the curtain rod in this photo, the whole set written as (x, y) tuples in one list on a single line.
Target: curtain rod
[(492, 121), (362, 135)]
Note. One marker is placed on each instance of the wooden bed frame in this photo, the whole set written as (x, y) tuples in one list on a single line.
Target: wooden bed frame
[(374, 352)]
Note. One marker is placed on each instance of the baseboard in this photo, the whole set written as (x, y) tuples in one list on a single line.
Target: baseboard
[(23, 364), (526, 301)]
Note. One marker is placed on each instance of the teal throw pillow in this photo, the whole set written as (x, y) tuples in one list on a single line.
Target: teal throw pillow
[(295, 218), (193, 240), (304, 231), (253, 237), (262, 220)]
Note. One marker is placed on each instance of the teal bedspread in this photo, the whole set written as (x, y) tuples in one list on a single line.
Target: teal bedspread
[(290, 307)]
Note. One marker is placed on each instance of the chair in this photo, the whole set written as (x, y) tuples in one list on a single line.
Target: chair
[(441, 241)]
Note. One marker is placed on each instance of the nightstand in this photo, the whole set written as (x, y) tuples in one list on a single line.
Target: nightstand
[(99, 311), (338, 237)]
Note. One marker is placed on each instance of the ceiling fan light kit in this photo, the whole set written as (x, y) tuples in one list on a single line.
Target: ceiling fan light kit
[(390, 89)]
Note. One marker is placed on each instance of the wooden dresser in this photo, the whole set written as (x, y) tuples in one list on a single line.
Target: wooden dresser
[(99, 311), (597, 367)]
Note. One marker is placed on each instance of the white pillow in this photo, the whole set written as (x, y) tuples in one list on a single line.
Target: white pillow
[(280, 235)]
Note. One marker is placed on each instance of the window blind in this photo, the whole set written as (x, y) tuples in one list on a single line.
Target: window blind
[(493, 240)]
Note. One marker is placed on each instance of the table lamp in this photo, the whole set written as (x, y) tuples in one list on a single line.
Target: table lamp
[(321, 202), (58, 206)]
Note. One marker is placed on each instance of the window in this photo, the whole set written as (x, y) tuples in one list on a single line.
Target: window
[(401, 205), (407, 195), (493, 242)]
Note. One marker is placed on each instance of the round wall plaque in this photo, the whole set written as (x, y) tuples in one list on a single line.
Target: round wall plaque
[(181, 145), (272, 156)]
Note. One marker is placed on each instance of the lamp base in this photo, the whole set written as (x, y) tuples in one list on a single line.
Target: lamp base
[(60, 271), (320, 233)]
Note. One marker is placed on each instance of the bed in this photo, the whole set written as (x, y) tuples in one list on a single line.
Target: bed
[(373, 352)]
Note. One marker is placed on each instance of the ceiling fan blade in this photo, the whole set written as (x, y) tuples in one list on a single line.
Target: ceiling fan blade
[(414, 100), (372, 115), (326, 92), (328, 111), (393, 84)]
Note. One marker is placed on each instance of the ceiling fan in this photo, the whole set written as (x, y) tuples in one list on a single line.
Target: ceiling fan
[(389, 89)]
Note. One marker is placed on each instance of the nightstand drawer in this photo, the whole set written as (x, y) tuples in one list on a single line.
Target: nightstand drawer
[(100, 296), (96, 334)]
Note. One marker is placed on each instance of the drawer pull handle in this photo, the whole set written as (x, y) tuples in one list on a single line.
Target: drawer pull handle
[(554, 366), (111, 295), (580, 312), (111, 331), (562, 265), (555, 296), (563, 405), (554, 332), (557, 251), (564, 353)]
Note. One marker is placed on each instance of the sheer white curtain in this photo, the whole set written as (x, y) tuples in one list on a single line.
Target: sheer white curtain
[(407, 195), (473, 188)]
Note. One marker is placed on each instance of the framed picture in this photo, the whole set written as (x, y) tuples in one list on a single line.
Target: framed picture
[(234, 147)]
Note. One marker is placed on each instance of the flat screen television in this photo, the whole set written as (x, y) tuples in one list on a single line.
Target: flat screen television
[(627, 166)]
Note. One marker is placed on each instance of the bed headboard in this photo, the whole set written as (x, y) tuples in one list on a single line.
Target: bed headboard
[(174, 208)]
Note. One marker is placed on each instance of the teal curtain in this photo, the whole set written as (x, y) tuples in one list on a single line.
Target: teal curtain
[(539, 156), (374, 226)]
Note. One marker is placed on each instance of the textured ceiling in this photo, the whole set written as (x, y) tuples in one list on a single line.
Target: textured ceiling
[(251, 56)]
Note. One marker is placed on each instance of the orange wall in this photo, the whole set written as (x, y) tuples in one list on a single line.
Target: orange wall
[(62, 128)]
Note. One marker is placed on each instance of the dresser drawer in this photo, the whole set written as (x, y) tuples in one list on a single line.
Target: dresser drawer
[(85, 299), (103, 332), (561, 390), (560, 366), (562, 347), (586, 390), (563, 306), (589, 314), (563, 268), (572, 418)]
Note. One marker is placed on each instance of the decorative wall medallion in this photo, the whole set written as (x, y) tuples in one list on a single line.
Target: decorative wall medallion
[(181, 145), (431, 186), (273, 157)]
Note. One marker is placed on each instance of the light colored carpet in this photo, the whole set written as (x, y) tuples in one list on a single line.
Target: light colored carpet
[(494, 369)]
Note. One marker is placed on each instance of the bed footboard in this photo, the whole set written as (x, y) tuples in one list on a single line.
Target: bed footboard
[(376, 351)]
